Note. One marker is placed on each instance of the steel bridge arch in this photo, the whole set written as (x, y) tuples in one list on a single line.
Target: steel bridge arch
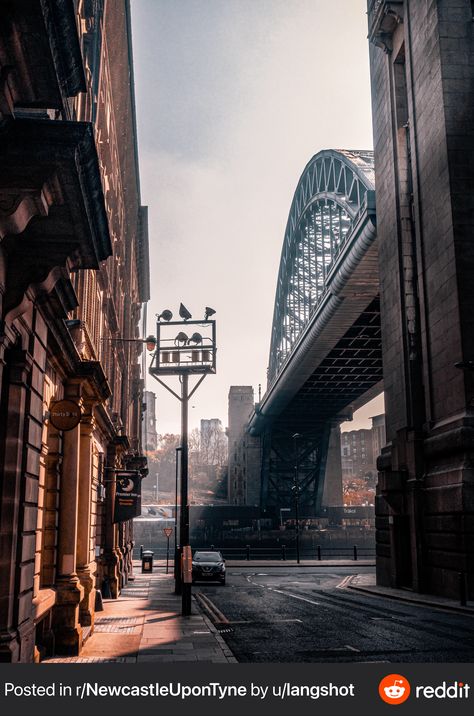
[(332, 195)]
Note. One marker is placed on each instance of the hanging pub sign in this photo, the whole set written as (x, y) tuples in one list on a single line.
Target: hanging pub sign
[(65, 414), (128, 495)]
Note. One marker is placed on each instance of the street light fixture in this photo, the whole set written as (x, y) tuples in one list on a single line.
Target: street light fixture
[(296, 491), (175, 357), (149, 341), (166, 315)]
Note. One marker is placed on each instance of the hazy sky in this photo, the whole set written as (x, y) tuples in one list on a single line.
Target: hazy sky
[(233, 98)]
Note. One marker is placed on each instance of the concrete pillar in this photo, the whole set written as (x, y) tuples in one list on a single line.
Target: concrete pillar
[(332, 494), (86, 567), (69, 590)]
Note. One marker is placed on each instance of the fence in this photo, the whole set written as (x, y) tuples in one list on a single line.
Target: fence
[(282, 553)]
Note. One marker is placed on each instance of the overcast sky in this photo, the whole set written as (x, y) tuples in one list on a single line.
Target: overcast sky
[(233, 98)]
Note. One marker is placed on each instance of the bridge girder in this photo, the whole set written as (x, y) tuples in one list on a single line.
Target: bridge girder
[(332, 193)]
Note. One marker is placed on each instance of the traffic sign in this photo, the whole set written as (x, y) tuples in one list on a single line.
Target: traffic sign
[(167, 531)]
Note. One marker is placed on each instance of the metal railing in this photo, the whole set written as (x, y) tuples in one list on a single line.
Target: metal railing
[(284, 552)]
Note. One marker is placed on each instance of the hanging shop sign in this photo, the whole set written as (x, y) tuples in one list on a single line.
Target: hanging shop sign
[(128, 495), (65, 414)]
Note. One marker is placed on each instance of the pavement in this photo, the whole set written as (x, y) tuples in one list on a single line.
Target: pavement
[(145, 624), (366, 583)]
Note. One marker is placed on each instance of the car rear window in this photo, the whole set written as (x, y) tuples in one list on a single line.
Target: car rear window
[(207, 557)]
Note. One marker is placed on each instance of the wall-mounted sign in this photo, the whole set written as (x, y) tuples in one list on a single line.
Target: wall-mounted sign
[(128, 495), (65, 414)]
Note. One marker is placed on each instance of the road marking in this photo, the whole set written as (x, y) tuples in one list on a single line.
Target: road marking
[(352, 648), (255, 584), (345, 582), (296, 596)]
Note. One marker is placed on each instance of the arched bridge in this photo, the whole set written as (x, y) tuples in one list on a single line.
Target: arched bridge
[(325, 354)]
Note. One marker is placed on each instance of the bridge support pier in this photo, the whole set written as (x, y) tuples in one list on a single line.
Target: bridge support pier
[(332, 492)]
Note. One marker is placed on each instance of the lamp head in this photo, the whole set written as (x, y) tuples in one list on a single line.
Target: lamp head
[(184, 313), (195, 338), (208, 312), (166, 315), (181, 338)]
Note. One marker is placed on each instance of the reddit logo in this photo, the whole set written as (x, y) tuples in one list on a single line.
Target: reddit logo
[(394, 689)]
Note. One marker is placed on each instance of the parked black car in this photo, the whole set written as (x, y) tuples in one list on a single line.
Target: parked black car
[(208, 565)]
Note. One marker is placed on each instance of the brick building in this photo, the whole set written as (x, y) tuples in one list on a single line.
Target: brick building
[(357, 455), (361, 448), (73, 244)]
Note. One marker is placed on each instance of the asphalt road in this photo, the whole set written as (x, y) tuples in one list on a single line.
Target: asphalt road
[(286, 615)]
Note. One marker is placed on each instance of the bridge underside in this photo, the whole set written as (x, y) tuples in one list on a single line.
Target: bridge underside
[(348, 376)]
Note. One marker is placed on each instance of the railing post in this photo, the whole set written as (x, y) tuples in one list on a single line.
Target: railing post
[(247, 547), (283, 552), (319, 552), (355, 553)]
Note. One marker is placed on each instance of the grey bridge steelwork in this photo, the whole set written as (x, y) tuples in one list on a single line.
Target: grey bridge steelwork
[(325, 353)]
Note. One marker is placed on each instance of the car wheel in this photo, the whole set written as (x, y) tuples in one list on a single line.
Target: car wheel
[(223, 581)]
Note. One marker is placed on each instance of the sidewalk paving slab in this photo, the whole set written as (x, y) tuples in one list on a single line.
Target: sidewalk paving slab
[(134, 629)]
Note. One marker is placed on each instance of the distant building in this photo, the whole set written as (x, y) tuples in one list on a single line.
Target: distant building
[(244, 450), (150, 436), (357, 453), (213, 443), (210, 426), (378, 435), (361, 448)]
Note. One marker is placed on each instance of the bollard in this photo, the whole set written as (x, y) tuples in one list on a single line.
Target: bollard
[(99, 606), (355, 553), (283, 552), (247, 547), (319, 552), (462, 589)]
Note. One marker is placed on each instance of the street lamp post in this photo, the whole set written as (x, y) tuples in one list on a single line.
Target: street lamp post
[(177, 550), (296, 490), (178, 354)]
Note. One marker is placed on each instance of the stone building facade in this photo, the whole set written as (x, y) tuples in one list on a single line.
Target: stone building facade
[(422, 75), (73, 245)]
